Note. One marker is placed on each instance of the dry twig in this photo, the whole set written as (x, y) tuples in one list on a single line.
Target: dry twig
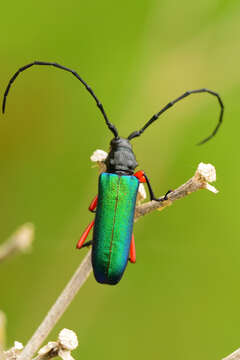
[(13, 352), (67, 341), (234, 356), (65, 298), (20, 241), (204, 173)]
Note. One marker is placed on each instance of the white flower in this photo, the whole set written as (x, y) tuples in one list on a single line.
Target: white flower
[(141, 193), (18, 346), (98, 155), (207, 171), (68, 339)]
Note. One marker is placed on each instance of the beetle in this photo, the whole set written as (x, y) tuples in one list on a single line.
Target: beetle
[(115, 203)]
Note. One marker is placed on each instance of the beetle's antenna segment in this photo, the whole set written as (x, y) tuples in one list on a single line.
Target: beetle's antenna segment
[(165, 108), (99, 105)]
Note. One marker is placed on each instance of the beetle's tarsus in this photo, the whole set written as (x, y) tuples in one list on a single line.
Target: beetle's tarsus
[(87, 244), (152, 196), (163, 198), (167, 193)]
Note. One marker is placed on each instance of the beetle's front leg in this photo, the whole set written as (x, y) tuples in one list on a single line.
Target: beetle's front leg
[(142, 177), (152, 196)]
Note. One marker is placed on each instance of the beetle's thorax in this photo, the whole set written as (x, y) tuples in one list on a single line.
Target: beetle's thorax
[(121, 159)]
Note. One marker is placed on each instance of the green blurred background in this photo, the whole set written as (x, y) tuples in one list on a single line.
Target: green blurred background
[(181, 299)]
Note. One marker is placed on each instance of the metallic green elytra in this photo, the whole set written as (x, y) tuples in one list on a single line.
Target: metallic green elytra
[(113, 226)]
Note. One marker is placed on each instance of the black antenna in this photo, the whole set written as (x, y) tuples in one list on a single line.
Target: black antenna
[(99, 105), (187, 93)]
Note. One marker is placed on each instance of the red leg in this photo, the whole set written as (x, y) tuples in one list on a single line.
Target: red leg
[(84, 235), (93, 204), (132, 251)]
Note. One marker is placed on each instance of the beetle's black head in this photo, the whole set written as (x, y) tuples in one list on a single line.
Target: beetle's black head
[(121, 158)]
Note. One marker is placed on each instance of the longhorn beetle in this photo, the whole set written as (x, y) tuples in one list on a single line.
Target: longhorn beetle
[(117, 190)]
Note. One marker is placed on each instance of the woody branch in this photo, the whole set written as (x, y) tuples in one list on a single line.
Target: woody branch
[(204, 174)]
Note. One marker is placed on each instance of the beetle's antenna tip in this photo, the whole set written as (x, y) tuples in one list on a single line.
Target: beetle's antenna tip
[(205, 140)]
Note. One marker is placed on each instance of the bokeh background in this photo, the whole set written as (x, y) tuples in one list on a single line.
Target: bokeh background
[(181, 299)]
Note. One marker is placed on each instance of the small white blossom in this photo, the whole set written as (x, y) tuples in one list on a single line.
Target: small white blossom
[(98, 155), (13, 352), (207, 171), (18, 346), (68, 339), (141, 193)]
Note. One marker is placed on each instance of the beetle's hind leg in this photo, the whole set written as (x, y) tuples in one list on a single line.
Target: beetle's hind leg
[(132, 252), (142, 177), (84, 236)]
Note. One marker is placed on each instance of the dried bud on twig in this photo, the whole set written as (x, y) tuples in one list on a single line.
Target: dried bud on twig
[(99, 156), (20, 241), (206, 173), (14, 352), (67, 341)]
